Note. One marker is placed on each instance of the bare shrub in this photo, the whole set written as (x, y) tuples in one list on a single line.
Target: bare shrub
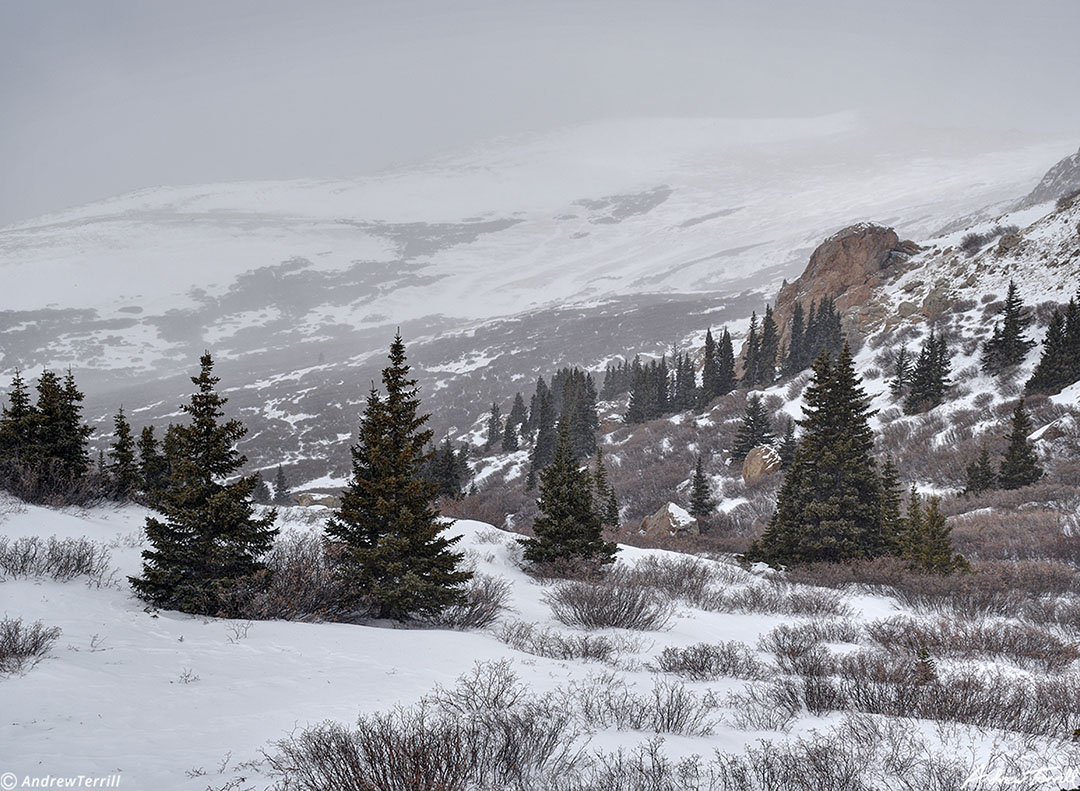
[(613, 602), (972, 242), (24, 645), (709, 661), (551, 644), (485, 597), (1023, 644), (607, 701), (779, 599), (427, 748), (687, 577), (59, 559), (299, 584)]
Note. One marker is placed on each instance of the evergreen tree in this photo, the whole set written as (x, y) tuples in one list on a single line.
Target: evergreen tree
[(394, 554), (930, 376), (282, 490), (767, 352), (17, 428), (1019, 466), (607, 505), (710, 371), (494, 426), (929, 541), (509, 438), (701, 502), (751, 362), (902, 372), (123, 471), (1059, 363), (893, 528), (153, 467), (788, 445), (209, 539), (1008, 346), (725, 365), (981, 476), (544, 448), (519, 416), (753, 431), (569, 527), (542, 394), (444, 470), (685, 384), (829, 505), (795, 359), (261, 495)]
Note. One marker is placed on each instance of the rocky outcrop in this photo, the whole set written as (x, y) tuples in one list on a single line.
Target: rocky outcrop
[(848, 267), (671, 520), (759, 462), (309, 500), (1062, 179)]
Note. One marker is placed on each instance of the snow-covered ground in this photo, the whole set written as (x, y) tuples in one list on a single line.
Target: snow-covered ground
[(173, 701)]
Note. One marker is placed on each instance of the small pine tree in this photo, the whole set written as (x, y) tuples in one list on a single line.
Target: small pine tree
[(282, 490), (788, 445), (444, 471), (795, 359), (901, 373), (209, 539), (1059, 364), (509, 438), (767, 352), (753, 431), (153, 467), (607, 504), (929, 377), (494, 426), (569, 527), (701, 502), (725, 365), (123, 471), (544, 448), (519, 415), (1008, 346), (751, 361), (261, 495), (1019, 466), (394, 554), (892, 523), (710, 371), (981, 476), (929, 542)]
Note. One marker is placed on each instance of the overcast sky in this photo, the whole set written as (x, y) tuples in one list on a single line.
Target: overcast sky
[(103, 97)]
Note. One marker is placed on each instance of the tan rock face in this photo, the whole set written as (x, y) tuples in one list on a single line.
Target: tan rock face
[(669, 521), (847, 267), (759, 462), (308, 500)]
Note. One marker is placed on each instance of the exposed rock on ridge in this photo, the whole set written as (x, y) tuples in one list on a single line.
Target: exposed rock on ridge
[(1061, 179)]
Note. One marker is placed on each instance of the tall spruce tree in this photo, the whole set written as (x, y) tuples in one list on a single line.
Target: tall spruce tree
[(892, 523), (768, 350), (509, 438), (751, 360), (153, 467), (725, 365), (607, 505), (494, 426), (17, 426), (122, 467), (929, 377), (569, 527), (1059, 363), (544, 448), (282, 490), (788, 444), (981, 475), (1019, 466), (701, 501), (902, 371), (1008, 346), (209, 539), (710, 371), (829, 505), (753, 431), (519, 415), (444, 470), (395, 556), (261, 495), (794, 360)]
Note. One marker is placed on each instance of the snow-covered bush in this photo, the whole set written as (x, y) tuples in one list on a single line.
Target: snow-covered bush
[(24, 645), (59, 559)]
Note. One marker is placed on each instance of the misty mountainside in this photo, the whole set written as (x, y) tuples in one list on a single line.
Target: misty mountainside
[(498, 263)]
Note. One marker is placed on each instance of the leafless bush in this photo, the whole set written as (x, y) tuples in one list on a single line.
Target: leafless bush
[(607, 701), (60, 559), (779, 599), (797, 385), (610, 603), (686, 577), (972, 242), (473, 744), (24, 645), (299, 584), (1026, 645), (708, 661), (485, 597), (551, 644)]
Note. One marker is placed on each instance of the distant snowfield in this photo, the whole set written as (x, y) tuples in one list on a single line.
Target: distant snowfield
[(583, 213), (162, 699)]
